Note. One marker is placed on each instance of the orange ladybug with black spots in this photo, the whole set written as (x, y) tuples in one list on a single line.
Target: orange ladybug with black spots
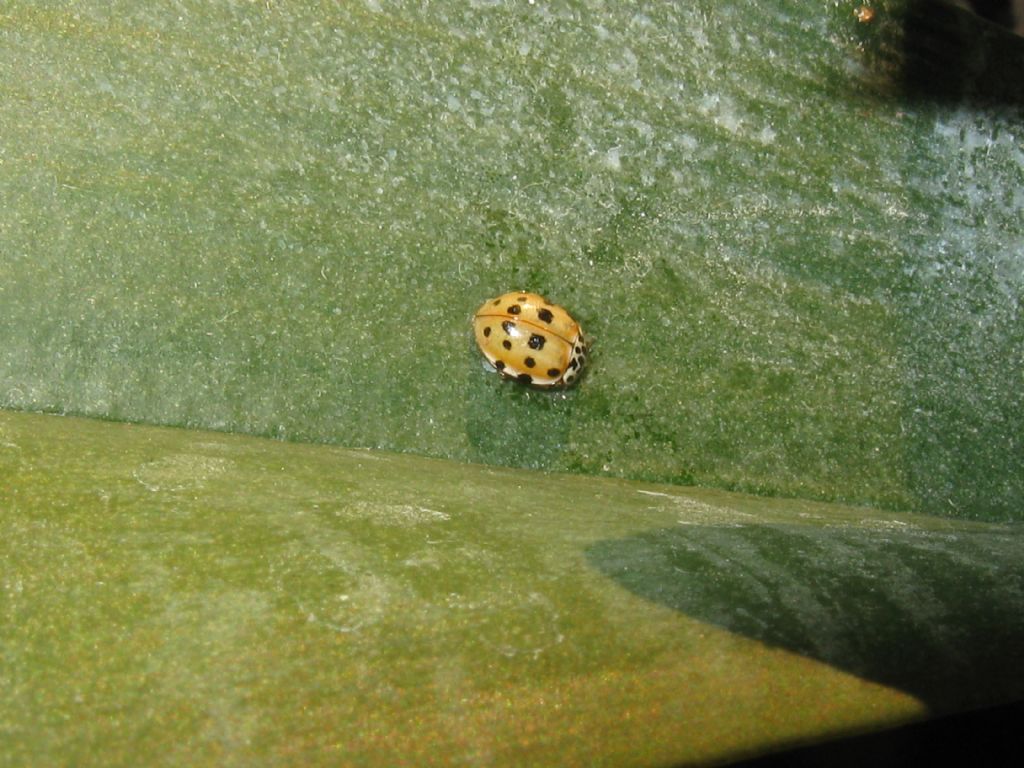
[(529, 339)]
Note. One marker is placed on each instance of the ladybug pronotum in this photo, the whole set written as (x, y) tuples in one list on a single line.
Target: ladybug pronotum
[(529, 339)]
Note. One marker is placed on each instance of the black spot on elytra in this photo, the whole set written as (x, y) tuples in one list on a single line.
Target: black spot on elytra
[(507, 326), (525, 378), (487, 331), (506, 344), (536, 341), (545, 315), (499, 364), (530, 362), (514, 309), (554, 373)]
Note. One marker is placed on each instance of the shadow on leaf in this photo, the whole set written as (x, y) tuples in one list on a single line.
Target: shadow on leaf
[(938, 615)]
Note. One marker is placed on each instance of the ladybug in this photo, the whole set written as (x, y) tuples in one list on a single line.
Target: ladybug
[(529, 339)]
